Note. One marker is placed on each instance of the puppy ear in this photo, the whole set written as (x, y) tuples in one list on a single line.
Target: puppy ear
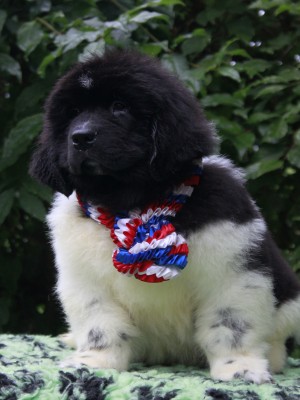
[(43, 167), (180, 135)]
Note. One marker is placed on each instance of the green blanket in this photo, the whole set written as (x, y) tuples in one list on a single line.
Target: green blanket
[(29, 369)]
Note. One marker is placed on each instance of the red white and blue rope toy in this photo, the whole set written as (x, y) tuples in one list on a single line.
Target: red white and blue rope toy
[(148, 246)]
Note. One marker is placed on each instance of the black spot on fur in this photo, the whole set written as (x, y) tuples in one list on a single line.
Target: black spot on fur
[(96, 339), (228, 318), (93, 303), (124, 336)]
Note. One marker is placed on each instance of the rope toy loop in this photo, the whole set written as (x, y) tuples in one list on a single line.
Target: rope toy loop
[(148, 246)]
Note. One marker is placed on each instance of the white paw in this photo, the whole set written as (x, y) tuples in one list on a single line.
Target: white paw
[(100, 359), (241, 367)]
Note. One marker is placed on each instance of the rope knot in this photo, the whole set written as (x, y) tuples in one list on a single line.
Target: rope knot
[(148, 246)]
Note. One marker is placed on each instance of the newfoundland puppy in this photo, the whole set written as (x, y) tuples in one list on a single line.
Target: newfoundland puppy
[(162, 255)]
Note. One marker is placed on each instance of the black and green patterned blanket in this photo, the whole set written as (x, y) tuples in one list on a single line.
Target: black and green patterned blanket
[(29, 369)]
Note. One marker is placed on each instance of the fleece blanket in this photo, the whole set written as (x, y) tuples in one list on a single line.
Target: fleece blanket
[(29, 369)]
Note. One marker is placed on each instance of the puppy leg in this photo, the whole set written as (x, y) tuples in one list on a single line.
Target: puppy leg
[(277, 355), (287, 326), (234, 329), (101, 329)]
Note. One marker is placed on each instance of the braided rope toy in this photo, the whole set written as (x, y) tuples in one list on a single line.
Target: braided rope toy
[(148, 246)]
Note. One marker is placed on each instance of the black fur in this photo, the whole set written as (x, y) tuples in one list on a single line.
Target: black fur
[(137, 160), (146, 131), (268, 259)]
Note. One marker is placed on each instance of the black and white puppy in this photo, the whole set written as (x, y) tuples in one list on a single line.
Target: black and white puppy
[(123, 132)]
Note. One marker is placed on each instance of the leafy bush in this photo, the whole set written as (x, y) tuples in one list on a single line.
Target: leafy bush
[(241, 59)]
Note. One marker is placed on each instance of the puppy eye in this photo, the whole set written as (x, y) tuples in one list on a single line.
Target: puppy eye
[(73, 112), (118, 108)]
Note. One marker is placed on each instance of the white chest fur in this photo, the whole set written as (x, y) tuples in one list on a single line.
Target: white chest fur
[(164, 315)]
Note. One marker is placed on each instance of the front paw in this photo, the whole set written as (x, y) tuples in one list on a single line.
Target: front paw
[(100, 359), (241, 367)]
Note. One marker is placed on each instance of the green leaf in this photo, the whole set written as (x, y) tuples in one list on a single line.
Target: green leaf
[(290, 74), (264, 4), (227, 126), (10, 66), (290, 8), (218, 99), (239, 52), (243, 141), (276, 131), (92, 49), (269, 90), (29, 36), (260, 117), (32, 205), (47, 61), (3, 15), (159, 3), (253, 67), (292, 114), (42, 6), (209, 14), (30, 98), (234, 132), (153, 49), (154, 4), (19, 138), (294, 154), (195, 42), (146, 16), (6, 202), (230, 72), (242, 28), (206, 65), (284, 76), (175, 63), (73, 37), (263, 167), (33, 187)]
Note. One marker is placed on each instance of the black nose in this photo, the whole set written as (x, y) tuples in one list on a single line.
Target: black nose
[(82, 140)]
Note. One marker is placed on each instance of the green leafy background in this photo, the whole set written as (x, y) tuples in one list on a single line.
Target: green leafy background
[(240, 58)]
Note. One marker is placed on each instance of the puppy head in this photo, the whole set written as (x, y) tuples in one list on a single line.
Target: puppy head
[(120, 120)]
